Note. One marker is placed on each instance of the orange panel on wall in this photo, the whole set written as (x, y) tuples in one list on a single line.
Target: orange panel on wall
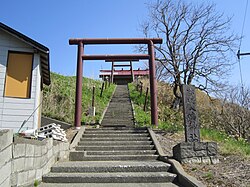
[(18, 75)]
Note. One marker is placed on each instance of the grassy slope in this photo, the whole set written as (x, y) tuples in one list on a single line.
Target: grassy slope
[(59, 98), (171, 120)]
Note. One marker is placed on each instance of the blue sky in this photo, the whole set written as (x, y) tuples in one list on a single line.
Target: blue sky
[(52, 23)]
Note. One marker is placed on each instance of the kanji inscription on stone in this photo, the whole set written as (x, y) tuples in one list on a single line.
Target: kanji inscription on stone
[(191, 124)]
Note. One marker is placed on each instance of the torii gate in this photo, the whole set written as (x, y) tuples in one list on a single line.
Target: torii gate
[(92, 41), (121, 65)]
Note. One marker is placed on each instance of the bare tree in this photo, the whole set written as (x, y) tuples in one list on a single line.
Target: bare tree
[(197, 45), (235, 115)]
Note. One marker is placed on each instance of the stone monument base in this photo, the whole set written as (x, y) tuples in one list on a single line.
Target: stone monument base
[(196, 152)]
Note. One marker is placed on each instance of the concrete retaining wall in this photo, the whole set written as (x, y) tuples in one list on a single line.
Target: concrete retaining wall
[(22, 161)]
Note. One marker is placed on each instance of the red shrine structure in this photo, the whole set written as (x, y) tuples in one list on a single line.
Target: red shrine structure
[(123, 76)]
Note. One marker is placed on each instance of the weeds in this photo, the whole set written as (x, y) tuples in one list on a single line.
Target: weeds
[(59, 98)]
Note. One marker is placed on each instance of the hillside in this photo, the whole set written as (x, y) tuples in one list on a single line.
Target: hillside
[(214, 126), (234, 154), (59, 98)]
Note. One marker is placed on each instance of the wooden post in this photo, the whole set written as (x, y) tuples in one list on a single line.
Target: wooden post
[(146, 100), (102, 89), (93, 97), (141, 86)]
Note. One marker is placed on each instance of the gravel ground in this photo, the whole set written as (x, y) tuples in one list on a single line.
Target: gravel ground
[(232, 171)]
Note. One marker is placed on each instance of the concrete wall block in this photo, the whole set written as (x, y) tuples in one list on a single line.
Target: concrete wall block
[(37, 162), (64, 146), (6, 138), (38, 151), (6, 182), (50, 153), (31, 176), (19, 150), (44, 160), (22, 178), (56, 149), (29, 163), (44, 150), (18, 164), (63, 156), (5, 155), (13, 179), (30, 150), (49, 143), (5, 172), (39, 173)]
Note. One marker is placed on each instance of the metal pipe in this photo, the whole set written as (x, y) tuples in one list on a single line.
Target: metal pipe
[(153, 84), (111, 57), (86, 41), (78, 97)]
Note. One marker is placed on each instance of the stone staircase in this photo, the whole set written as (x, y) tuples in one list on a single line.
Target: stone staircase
[(119, 112), (116, 154)]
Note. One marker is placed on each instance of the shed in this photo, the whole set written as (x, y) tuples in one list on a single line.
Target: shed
[(24, 68)]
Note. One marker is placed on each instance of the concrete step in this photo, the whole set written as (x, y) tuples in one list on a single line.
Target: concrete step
[(115, 128), (115, 148), (127, 152), (130, 177), (97, 138), (168, 184), (116, 131), (109, 166), (114, 135), (78, 156), (102, 143)]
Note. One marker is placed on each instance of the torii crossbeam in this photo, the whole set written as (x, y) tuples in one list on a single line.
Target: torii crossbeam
[(91, 41)]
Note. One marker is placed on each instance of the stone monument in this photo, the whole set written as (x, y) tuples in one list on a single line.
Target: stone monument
[(192, 150)]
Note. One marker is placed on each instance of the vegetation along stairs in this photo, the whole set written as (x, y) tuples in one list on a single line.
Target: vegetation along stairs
[(114, 155)]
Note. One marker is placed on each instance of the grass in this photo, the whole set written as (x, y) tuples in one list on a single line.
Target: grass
[(59, 98), (143, 118), (227, 145)]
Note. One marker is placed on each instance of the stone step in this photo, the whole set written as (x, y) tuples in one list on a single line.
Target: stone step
[(116, 131), (115, 128), (78, 156), (114, 135), (126, 152), (115, 148), (118, 119), (128, 138), (110, 166), (168, 184), (130, 177), (100, 143)]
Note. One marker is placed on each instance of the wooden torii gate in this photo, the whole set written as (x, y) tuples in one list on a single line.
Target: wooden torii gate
[(81, 42)]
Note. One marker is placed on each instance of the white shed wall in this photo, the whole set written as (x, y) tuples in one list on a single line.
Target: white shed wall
[(13, 111)]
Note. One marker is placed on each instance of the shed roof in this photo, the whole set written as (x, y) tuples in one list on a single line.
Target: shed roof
[(43, 50)]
